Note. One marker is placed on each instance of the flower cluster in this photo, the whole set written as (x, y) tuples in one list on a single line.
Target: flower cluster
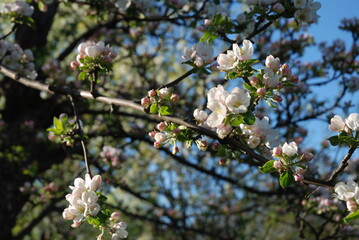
[(19, 7), (111, 154), (231, 59), (349, 193), (200, 54), (289, 169), (350, 124), (306, 11), (222, 104), (118, 229), (346, 129), (21, 61), (83, 200), (260, 132), (159, 101), (93, 58)]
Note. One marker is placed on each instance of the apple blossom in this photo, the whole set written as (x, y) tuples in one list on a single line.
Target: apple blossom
[(270, 78), (19, 7), (145, 101), (253, 141), (290, 149), (163, 92), (227, 61), (223, 130), (336, 124), (160, 137), (245, 52), (238, 101), (278, 165), (119, 231), (272, 63), (277, 151), (200, 53), (352, 121), (161, 126), (200, 115), (347, 191)]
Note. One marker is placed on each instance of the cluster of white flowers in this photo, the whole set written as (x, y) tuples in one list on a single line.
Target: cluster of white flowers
[(351, 123), (231, 59), (260, 132), (21, 61), (119, 231), (111, 154), (19, 7), (349, 193), (200, 53), (94, 50), (306, 11), (83, 199), (221, 103)]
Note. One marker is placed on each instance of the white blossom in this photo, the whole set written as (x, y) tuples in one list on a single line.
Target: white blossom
[(200, 115), (347, 191), (290, 149), (245, 52), (336, 124), (272, 63), (238, 101), (353, 122)]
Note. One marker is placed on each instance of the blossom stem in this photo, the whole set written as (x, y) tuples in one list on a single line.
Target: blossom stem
[(343, 164)]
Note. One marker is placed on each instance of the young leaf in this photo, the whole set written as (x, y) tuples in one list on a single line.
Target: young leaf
[(249, 118), (58, 124), (268, 167), (82, 76), (334, 140), (286, 178), (165, 110), (352, 216), (154, 108)]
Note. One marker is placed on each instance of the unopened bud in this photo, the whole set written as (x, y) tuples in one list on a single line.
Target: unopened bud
[(145, 101), (174, 97), (202, 144), (115, 216), (161, 126), (254, 81), (175, 150), (277, 151), (176, 131), (74, 65), (278, 8), (152, 134), (207, 22), (277, 98), (152, 93), (278, 165), (163, 92), (261, 92), (298, 177), (307, 156), (215, 146)]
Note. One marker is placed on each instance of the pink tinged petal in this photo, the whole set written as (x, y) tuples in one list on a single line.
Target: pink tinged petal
[(336, 124), (353, 121), (66, 214), (214, 119), (89, 197)]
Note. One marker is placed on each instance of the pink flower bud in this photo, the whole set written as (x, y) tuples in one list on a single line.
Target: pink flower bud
[(278, 8), (74, 65), (156, 145), (286, 70), (107, 59), (174, 97), (115, 216), (254, 81), (351, 205), (160, 137), (161, 126), (222, 161), (277, 151), (145, 101), (307, 156), (298, 177), (295, 78), (202, 144), (215, 146), (176, 131), (152, 93), (163, 92), (277, 98), (261, 91), (152, 134), (278, 165), (207, 22), (96, 182)]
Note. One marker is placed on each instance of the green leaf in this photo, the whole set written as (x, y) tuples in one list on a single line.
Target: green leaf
[(165, 110), (249, 118), (267, 167), (231, 75), (352, 216), (286, 178), (58, 124), (154, 108), (82, 76), (206, 36), (249, 87), (334, 140), (236, 121)]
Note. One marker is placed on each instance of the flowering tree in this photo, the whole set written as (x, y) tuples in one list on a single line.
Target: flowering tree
[(174, 120)]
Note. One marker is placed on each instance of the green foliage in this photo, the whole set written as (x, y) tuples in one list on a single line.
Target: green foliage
[(268, 167), (286, 178), (344, 139), (352, 216)]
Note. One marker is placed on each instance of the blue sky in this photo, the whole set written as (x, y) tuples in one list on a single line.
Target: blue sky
[(331, 13)]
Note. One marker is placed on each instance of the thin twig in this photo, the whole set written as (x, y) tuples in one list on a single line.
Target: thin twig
[(343, 165), (79, 127)]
